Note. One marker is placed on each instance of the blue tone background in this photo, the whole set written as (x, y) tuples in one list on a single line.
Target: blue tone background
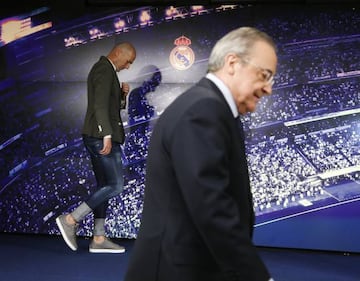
[(303, 143)]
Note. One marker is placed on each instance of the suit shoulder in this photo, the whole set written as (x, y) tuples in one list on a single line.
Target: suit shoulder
[(101, 69)]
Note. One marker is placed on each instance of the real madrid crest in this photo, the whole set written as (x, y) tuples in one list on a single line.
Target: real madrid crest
[(182, 56)]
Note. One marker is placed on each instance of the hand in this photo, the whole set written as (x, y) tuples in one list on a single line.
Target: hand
[(106, 147), (125, 88)]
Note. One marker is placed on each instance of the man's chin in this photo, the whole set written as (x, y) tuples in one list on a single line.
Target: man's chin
[(251, 108), (246, 108)]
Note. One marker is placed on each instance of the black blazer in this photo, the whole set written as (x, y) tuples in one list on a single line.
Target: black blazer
[(105, 99), (198, 216)]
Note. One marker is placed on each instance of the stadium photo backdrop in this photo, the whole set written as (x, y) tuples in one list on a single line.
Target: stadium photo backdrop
[(303, 142)]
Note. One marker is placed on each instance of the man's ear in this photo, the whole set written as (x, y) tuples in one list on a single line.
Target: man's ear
[(230, 62)]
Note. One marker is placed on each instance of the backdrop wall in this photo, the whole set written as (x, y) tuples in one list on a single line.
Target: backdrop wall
[(303, 143)]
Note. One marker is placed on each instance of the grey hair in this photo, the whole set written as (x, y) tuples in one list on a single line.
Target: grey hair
[(238, 41)]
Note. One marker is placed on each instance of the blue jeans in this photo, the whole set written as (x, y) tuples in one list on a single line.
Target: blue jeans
[(108, 172)]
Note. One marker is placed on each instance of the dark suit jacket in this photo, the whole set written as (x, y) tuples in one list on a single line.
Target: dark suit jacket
[(105, 99), (198, 216)]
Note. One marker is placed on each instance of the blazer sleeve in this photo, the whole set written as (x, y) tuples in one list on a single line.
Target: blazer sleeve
[(102, 85)]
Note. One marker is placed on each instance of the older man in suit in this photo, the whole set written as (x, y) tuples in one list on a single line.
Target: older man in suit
[(198, 216)]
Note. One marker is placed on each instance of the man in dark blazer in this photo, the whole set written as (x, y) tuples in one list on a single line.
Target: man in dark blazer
[(103, 133), (198, 217)]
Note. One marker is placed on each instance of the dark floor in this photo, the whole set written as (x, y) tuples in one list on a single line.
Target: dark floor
[(25, 257)]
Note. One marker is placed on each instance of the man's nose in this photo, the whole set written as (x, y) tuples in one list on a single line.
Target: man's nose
[(267, 89)]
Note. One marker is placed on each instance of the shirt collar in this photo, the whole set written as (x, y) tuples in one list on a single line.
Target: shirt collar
[(225, 91), (113, 65)]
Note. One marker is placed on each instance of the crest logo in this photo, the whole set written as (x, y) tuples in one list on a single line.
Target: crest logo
[(182, 56)]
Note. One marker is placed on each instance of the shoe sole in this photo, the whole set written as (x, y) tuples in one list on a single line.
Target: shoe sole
[(64, 236), (106, 251)]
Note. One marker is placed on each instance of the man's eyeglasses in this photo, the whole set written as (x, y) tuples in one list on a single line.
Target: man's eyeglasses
[(267, 74)]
